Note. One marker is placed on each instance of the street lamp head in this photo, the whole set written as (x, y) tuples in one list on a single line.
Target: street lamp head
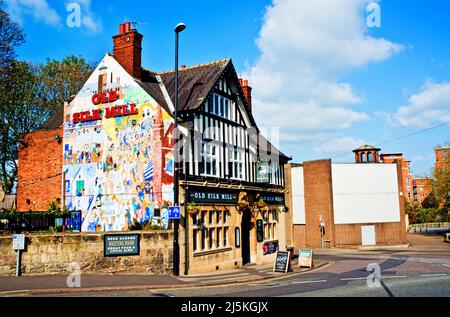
[(180, 27)]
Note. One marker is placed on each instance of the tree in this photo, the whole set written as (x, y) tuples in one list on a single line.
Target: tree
[(60, 80), (441, 184), (11, 36), (29, 95)]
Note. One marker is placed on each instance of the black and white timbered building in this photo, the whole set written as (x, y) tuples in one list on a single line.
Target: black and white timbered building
[(231, 177)]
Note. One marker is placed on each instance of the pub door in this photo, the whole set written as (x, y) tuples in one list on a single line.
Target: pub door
[(245, 234)]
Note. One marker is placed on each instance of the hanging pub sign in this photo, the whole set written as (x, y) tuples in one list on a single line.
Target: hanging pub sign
[(262, 172), (282, 262), (121, 244), (108, 112), (272, 199)]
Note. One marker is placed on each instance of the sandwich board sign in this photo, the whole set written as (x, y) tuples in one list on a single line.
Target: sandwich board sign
[(305, 258), (282, 262)]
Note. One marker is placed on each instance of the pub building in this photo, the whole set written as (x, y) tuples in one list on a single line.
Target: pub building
[(117, 159)]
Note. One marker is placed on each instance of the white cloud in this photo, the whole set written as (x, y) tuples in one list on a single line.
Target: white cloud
[(40, 10), (305, 47), (430, 106), (345, 144)]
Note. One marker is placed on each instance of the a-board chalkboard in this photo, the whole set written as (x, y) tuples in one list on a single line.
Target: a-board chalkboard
[(282, 261)]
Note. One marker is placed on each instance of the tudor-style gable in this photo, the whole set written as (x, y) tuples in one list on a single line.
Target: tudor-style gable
[(224, 140)]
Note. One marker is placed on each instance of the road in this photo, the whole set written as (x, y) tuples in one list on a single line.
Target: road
[(422, 270)]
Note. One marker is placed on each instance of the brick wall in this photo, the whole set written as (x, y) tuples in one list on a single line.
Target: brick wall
[(40, 168), (318, 201)]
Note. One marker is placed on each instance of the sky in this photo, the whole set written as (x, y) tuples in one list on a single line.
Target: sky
[(327, 75)]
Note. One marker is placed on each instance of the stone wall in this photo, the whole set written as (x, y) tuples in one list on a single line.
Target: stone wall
[(51, 254)]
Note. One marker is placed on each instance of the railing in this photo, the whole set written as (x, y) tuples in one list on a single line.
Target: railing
[(39, 221), (432, 226)]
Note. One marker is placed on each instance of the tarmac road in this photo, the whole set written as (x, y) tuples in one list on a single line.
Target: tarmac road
[(346, 277), (421, 270)]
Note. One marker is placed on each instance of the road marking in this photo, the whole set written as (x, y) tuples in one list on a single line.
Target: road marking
[(431, 275), (446, 265), (353, 278), (393, 276), (306, 282)]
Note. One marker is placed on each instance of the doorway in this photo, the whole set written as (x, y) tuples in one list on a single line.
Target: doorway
[(368, 235), (245, 236)]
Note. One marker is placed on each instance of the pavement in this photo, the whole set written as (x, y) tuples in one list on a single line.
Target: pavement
[(57, 284), (421, 269)]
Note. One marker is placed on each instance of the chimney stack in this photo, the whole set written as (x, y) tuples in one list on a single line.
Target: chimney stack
[(128, 49), (247, 92)]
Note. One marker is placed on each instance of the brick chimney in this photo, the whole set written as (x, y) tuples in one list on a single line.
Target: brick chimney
[(247, 92), (128, 49)]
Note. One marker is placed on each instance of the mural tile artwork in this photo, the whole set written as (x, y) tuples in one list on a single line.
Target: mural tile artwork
[(118, 170)]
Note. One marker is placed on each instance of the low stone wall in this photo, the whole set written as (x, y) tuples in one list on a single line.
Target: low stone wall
[(52, 254)]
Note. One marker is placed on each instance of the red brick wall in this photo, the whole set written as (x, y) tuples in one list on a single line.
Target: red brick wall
[(40, 168), (318, 201), (300, 236), (385, 233)]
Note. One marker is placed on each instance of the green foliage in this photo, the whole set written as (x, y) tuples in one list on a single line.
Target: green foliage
[(193, 208), (135, 225), (441, 184), (55, 210), (29, 95), (420, 214), (151, 226)]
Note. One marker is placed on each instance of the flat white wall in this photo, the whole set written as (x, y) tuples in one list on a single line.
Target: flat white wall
[(298, 196), (365, 193)]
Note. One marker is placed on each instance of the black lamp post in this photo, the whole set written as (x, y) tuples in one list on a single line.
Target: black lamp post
[(176, 248)]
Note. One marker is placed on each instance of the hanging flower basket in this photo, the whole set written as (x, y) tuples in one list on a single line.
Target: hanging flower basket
[(243, 204), (261, 204), (193, 209)]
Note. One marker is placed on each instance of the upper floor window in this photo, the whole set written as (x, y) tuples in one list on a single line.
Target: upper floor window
[(220, 106), (236, 164), (210, 160)]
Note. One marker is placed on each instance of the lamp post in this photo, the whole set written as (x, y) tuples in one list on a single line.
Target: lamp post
[(176, 248)]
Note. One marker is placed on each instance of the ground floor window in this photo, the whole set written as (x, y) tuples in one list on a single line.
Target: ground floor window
[(211, 229), (270, 222)]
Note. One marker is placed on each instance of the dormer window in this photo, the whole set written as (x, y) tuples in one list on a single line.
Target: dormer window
[(220, 106)]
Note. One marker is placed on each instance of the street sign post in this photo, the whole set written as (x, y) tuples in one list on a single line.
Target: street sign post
[(19, 244), (174, 212)]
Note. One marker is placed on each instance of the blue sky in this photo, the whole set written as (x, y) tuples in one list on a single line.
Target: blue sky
[(320, 74)]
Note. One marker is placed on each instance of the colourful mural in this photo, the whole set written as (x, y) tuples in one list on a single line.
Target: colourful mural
[(118, 169)]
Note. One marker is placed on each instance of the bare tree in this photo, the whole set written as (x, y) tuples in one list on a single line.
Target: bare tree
[(11, 36)]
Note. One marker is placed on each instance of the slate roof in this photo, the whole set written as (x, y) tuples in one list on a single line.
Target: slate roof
[(195, 83)]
